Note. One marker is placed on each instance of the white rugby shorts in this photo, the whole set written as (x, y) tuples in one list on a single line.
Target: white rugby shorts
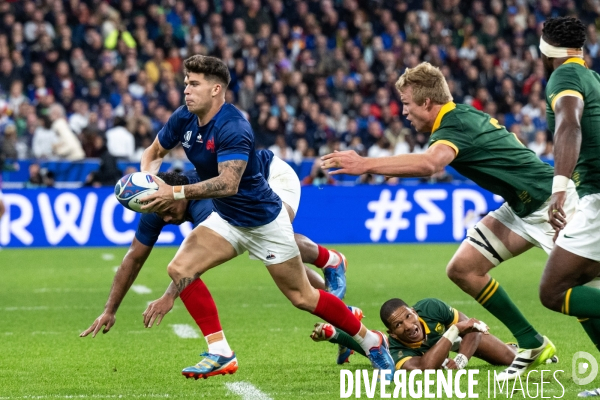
[(272, 243), (581, 236), (535, 227)]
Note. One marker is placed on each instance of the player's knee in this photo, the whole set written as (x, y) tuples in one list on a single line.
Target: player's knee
[(175, 270), (550, 298), (456, 272), (303, 301)]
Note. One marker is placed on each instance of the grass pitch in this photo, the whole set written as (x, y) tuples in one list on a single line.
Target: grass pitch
[(47, 297)]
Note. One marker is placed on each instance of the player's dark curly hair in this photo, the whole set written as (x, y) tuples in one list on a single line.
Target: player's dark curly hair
[(564, 32), (173, 178), (211, 67), (388, 308)]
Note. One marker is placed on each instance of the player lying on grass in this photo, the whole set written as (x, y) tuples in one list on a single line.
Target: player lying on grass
[(416, 337), (284, 181), (479, 148)]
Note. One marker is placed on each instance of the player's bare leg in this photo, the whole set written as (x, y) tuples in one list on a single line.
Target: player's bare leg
[(469, 269), (568, 286), (494, 351), (290, 278), (201, 250), (565, 270)]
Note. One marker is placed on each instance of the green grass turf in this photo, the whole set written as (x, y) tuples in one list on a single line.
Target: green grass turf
[(47, 297)]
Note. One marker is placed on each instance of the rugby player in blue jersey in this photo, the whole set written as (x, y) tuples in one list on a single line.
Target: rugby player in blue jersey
[(248, 215), (284, 181)]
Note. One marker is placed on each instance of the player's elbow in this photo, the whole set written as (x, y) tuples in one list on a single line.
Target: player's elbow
[(232, 189), (430, 167)]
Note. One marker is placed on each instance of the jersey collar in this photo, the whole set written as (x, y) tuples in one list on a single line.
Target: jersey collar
[(576, 60), (446, 108)]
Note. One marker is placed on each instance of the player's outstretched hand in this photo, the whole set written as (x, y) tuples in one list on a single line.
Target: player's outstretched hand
[(157, 310), (159, 200), (105, 319), (471, 325), (347, 161), (556, 215)]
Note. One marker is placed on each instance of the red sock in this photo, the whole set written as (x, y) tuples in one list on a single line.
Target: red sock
[(323, 257), (334, 311), (201, 306)]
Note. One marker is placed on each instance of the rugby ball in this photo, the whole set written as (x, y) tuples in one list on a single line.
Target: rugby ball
[(133, 187)]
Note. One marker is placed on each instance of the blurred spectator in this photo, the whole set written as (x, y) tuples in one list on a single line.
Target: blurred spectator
[(381, 148), (108, 174), (539, 145), (9, 143), (44, 138), (119, 141), (67, 146), (317, 176), (35, 176), (281, 149)]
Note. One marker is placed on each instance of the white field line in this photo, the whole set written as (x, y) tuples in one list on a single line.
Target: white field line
[(247, 391), (185, 331), (116, 268), (108, 256), (141, 289)]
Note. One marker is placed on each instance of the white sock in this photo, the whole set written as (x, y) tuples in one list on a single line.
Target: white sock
[(333, 260), (369, 341), (221, 347)]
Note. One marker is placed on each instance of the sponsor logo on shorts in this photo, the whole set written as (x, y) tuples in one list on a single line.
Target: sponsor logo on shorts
[(270, 255)]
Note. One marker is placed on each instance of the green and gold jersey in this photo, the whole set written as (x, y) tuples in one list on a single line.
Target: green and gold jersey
[(435, 316), (493, 158), (573, 78)]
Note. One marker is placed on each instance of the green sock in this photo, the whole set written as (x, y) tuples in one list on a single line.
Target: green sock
[(592, 328), (346, 340), (582, 301), (496, 301)]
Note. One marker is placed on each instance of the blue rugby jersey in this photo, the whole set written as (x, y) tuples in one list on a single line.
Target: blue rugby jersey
[(228, 136), (151, 225)]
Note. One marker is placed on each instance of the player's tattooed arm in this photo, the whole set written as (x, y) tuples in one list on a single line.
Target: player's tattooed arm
[(223, 185)]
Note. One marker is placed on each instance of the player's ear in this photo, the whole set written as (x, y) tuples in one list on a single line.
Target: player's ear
[(217, 89)]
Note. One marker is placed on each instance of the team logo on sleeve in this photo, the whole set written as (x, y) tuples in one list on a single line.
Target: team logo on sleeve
[(186, 138)]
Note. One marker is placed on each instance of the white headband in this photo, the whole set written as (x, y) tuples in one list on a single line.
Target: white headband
[(559, 52)]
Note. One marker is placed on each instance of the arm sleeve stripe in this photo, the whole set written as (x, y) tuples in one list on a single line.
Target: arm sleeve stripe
[(447, 143), (229, 157), (400, 363), (565, 93), (455, 320)]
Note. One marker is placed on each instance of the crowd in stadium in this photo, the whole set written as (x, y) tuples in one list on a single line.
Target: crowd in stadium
[(100, 78)]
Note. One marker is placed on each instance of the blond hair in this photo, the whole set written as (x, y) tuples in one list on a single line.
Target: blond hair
[(427, 82)]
